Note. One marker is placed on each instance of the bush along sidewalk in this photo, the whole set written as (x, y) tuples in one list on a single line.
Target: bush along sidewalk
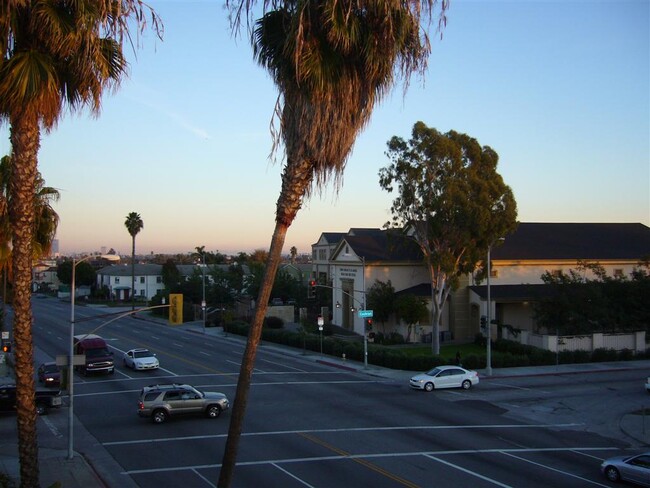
[(505, 353)]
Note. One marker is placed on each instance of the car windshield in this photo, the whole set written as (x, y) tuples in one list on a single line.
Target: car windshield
[(142, 354), (50, 368), (433, 372), (96, 353)]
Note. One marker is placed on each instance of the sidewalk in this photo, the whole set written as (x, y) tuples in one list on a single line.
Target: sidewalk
[(92, 467)]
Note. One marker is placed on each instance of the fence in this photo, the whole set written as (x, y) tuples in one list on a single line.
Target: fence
[(633, 341)]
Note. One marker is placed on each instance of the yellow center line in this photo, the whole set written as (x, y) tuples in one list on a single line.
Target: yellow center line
[(363, 462)]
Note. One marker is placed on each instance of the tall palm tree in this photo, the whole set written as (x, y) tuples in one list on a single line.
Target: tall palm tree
[(134, 225), (56, 55), (46, 222), (332, 61)]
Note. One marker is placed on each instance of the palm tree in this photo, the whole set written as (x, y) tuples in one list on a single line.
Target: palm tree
[(134, 225), (332, 61), (56, 56), (46, 222)]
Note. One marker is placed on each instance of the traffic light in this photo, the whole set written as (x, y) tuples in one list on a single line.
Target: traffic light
[(311, 293), (6, 347), (483, 323), (368, 325)]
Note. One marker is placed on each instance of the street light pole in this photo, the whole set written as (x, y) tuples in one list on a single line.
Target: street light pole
[(203, 304), (488, 368), (71, 364), (365, 332)]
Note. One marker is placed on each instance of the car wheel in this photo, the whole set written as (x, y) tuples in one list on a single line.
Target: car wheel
[(612, 473), (159, 416), (467, 384), (213, 411), (428, 386), (41, 409)]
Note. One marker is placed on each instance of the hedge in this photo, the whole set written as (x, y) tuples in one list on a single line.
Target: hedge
[(505, 354)]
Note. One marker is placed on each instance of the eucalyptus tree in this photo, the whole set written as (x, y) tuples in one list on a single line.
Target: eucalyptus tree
[(57, 56), (452, 202), (134, 225), (332, 61)]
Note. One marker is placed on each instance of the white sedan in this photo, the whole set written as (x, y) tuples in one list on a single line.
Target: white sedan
[(141, 359), (445, 377)]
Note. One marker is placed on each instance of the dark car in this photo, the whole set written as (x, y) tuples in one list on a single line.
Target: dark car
[(49, 374)]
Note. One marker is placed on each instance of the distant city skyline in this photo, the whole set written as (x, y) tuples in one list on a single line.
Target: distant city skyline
[(561, 91)]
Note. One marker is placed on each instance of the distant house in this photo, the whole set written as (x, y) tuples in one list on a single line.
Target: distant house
[(118, 280), (148, 278), (362, 256)]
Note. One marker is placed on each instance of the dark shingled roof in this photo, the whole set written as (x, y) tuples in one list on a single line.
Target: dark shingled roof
[(382, 245), (588, 241)]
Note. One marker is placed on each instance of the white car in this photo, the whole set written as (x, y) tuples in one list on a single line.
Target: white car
[(445, 377), (141, 359), (628, 468)]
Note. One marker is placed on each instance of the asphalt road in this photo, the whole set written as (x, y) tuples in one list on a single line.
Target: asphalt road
[(309, 425)]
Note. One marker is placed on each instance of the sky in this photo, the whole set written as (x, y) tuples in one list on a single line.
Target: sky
[(559, 89)]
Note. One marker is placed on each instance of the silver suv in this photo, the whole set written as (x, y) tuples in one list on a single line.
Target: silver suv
[(162, 401)]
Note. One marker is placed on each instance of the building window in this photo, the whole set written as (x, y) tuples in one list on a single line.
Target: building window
[(556, 273), (158, 279), (141, 279), (142, 293), (494, 273), (618, 273), (117, 279)]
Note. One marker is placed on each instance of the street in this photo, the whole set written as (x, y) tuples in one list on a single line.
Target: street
[(308, 424)]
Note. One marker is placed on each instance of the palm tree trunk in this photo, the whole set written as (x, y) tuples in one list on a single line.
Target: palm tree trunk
[(296, 179), (248, 360), (25, 141)]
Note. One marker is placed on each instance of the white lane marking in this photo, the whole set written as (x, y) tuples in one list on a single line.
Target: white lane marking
[(205, 353), (204, 478), (52, 428), (362, 456), (467, 471), (177, 344), (346, 430), (303, 482), (565, 473)]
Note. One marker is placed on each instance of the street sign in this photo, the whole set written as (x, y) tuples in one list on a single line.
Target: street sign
[(77, 360), (365, 314)]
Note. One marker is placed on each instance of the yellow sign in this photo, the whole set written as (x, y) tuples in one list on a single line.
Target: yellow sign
[(175, 308)]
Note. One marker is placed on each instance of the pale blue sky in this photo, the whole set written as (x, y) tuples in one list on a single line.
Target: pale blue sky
[(560, 90)]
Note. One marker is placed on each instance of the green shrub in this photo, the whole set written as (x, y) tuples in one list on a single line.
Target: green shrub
[(273, 322), (604, 355)]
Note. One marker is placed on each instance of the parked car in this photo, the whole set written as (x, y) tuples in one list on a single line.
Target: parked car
[(647, 384), (140, 359), (49, 374), (628, 468), (163, 401), (445, 377), (45, 399)]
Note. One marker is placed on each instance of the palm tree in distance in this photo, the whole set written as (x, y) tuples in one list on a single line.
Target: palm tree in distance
[(134, 225), (332, 61), (56, 56)]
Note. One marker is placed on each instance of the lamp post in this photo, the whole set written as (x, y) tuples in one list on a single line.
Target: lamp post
[(75, 262), (203, 304), (488, 368), (71, 359)]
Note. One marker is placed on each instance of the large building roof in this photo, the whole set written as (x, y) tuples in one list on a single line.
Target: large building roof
[(587, 241)]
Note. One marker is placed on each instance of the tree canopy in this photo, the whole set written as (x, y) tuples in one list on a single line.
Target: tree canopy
[(451, 201)]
